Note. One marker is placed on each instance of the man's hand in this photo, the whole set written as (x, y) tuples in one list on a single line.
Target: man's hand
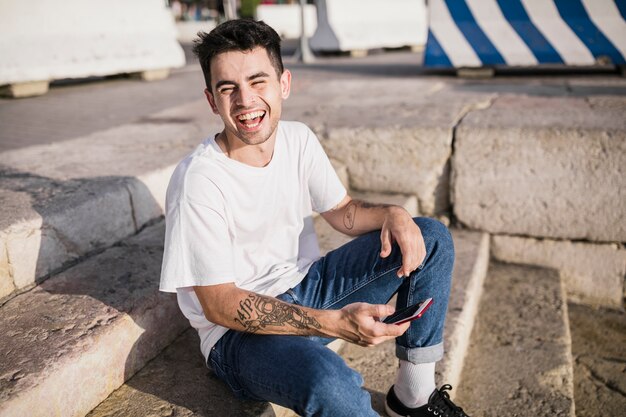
[(399, 227), (360, 323)]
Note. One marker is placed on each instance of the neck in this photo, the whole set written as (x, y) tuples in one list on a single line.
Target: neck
[(258, 155)]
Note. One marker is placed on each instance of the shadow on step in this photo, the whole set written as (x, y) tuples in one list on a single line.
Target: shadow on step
[(177, 380)]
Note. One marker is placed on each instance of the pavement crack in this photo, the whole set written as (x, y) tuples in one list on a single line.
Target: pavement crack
[(472, 107), (599, 380)]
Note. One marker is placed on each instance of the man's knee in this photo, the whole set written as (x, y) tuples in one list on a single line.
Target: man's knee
[(437, 238)]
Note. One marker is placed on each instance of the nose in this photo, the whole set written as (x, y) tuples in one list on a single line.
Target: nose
[(245, 96)]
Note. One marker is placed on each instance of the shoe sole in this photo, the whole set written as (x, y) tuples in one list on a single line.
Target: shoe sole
[(392, 413)]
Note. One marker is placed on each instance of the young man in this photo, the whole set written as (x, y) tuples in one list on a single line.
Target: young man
[(242, 255)]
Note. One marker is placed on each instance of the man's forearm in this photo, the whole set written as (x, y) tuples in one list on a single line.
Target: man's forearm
[(358, 217), (251, 312), (242, 310)]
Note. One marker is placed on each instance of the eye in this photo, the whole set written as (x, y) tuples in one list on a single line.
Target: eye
[(226, 90), (258, 83)]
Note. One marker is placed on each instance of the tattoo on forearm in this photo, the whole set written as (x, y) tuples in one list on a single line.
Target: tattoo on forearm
[(257, 312), (348, 217)]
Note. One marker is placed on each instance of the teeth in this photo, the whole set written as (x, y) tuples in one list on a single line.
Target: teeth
[(252, 115)]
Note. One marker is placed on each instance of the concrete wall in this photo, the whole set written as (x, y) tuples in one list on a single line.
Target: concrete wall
[(48, 39)]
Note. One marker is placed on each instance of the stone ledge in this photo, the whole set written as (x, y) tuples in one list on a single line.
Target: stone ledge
[(520, 351), (99, 322), (543, 167), (593, 273)]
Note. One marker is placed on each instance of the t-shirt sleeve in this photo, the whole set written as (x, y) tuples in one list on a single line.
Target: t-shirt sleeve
[(198, 248), (324, 184)]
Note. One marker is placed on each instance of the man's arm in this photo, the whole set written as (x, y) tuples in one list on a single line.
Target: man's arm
[(355, 217), (242, 310)]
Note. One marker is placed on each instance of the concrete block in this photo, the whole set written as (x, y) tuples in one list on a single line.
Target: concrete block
[(522, 341), (102, 41), (51, 228), (285, 19), (27, 89), (345, 25), (100, 320), (593, 273), (396, 160), (543, 167)]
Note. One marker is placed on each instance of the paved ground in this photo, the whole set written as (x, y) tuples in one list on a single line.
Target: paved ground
[(598, 340), (75, 108)]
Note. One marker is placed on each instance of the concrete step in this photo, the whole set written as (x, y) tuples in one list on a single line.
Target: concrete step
[(161, 389), (69, 342), (519, 361)]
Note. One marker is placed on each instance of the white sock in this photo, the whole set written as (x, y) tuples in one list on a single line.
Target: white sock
[(415, 383)]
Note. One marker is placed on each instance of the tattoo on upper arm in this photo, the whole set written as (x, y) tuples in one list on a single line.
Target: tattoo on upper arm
[(348, 217), (257, 312)]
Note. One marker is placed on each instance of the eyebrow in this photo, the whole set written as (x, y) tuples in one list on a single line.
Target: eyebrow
[(261, 74)]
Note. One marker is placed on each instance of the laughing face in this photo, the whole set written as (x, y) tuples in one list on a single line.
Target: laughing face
[(247, 94)]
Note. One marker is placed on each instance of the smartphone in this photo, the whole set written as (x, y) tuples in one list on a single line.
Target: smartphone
[(409, 313)]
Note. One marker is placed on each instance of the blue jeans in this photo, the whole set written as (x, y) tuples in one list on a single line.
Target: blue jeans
[(299, 372)]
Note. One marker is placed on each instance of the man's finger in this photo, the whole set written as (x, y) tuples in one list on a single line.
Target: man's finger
[(379, 310), (385, 243)]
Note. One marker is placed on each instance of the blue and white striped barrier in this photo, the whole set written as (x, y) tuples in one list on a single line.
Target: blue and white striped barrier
[(476, 33)]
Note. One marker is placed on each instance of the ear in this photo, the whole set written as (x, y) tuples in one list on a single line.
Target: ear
[(285, 84), (211, 100)]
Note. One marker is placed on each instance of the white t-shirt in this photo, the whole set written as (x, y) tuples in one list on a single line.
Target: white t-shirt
[(231, 222)]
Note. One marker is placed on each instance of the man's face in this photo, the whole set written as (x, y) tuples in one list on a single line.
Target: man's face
[(247, 94)]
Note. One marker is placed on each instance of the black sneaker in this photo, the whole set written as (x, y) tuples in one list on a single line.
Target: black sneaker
[(439, 404)]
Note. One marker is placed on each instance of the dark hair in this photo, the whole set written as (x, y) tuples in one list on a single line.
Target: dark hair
[(237, 35)]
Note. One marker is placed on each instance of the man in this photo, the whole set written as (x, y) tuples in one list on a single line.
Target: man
[(242, 255)]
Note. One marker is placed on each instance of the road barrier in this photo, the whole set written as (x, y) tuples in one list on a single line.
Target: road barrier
[(492, 33)]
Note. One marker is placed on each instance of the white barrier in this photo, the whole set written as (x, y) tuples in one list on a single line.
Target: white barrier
[(285, 18), (349, 25), (44, 40)]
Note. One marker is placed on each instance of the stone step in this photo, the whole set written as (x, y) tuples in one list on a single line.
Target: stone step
[(101, 321), (519, 361), (72, 340), (161, 388)]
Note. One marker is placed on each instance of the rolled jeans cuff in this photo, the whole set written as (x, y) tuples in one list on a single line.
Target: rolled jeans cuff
[(426, 354)]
